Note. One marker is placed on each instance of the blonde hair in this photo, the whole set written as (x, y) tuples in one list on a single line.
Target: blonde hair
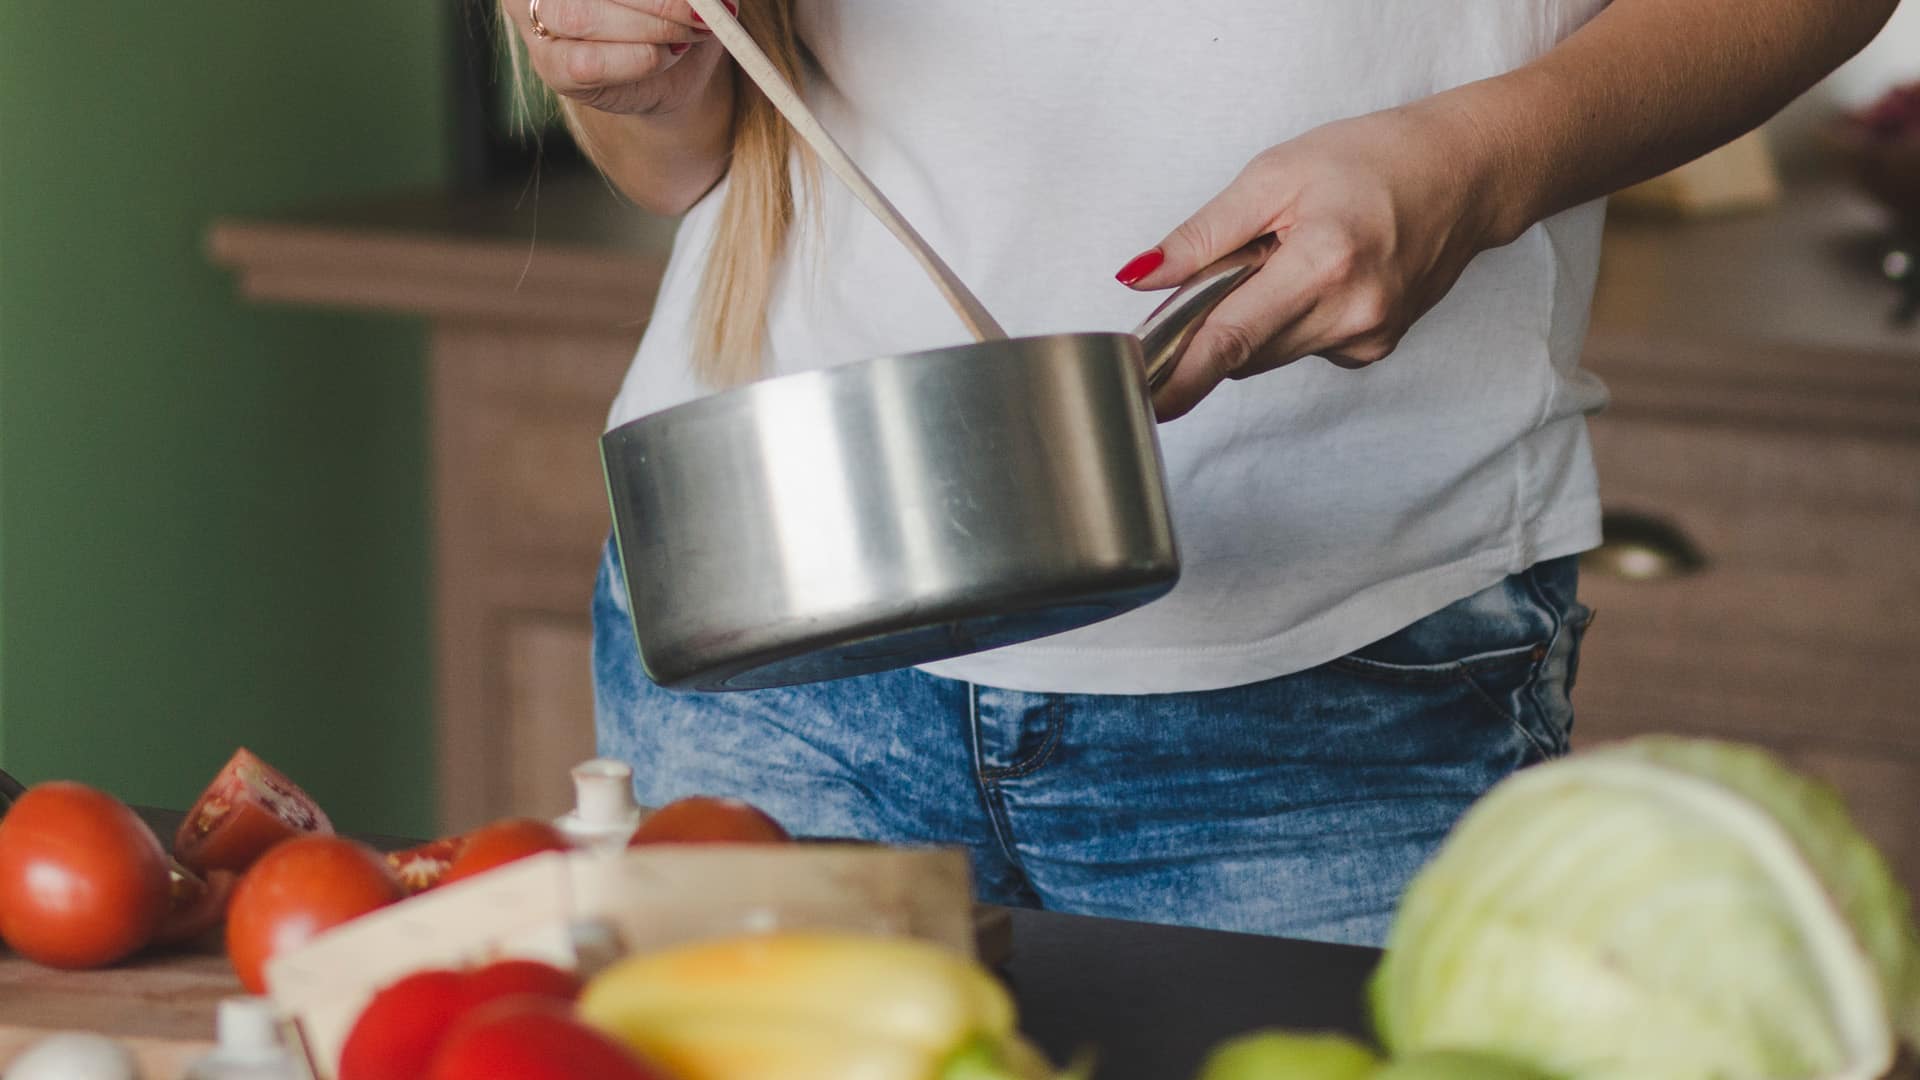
[(756, 217)]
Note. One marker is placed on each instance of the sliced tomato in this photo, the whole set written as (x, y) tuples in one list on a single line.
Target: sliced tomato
[(196, 905), (249, 807), (421, 868)]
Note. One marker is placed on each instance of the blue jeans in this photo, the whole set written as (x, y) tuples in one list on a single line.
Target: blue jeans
[(1298, 806)]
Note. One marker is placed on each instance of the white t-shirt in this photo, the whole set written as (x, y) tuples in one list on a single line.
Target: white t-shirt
[(1039, 146)]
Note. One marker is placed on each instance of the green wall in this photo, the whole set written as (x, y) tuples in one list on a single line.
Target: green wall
[(212, 514)]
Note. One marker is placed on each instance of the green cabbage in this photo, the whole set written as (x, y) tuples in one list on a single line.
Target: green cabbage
[(1666, 909), (1455, 1065)]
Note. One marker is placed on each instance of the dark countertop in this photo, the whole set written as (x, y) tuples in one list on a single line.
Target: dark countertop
[(1153, 999), (1803, 275), (1150, 1000)]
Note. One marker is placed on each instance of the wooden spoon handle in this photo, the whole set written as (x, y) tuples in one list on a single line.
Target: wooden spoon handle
[(781, 93)]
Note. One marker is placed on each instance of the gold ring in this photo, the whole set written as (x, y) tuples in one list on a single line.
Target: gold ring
[(539, 28)]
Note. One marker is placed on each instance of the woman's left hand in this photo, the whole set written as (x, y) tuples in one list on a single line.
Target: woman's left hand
[(1377, 217)]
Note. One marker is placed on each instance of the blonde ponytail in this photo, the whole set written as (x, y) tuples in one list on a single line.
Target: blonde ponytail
[(756, 219), (756, 215)]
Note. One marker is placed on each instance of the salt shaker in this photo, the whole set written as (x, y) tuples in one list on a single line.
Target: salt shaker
[(604, 814), (249, 1046)]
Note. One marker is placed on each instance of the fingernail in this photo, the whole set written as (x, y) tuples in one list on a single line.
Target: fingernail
[(1140, 266), (679, 48)]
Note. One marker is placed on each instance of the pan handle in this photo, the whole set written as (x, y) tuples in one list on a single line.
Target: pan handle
[(1165, 334)]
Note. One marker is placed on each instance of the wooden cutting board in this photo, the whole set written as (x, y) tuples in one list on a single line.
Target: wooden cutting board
[(162, 1006)]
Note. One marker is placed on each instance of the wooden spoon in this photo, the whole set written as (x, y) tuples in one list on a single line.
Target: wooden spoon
[(740, 45)]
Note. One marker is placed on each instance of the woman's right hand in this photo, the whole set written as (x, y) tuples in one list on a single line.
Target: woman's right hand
[(628, 57)]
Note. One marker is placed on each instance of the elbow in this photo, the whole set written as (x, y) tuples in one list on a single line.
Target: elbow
[(1872, 16)]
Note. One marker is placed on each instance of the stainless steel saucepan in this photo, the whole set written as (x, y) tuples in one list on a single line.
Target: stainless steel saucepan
[(903, 509)]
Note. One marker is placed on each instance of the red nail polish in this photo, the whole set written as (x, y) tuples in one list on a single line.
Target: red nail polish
[(1140, 266), (679, 48)]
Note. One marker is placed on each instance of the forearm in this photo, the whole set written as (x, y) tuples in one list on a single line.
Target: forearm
[(664, 162), (1646, 86)]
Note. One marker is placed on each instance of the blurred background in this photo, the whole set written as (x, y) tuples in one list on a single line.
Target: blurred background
[(302, 359), (212, 514)]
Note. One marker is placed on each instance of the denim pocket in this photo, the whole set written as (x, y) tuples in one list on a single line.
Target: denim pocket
[(1495, 683), (1444, 671), (1493, 650), (1578, 623)]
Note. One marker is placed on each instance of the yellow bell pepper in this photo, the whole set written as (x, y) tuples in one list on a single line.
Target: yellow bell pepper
[(813, 1006)]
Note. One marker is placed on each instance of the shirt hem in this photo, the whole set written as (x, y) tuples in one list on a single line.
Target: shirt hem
[(1364, 618)]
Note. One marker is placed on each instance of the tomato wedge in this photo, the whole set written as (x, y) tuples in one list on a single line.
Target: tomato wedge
[(249, 807), (197, 905), (421, 868)]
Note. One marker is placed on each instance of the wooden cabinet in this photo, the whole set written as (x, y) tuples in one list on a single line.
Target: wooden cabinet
[(1767, 408), (1796, 475), (1777, 430), (520, 518), (536, 302)]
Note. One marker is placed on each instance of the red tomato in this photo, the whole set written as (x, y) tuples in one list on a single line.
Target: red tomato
[(295, 892), (701, 819), (421, 868), (197, 904), (502, 842), (83, 882), (400, 1029), (511, 978), (524, 1038), (247, 809)]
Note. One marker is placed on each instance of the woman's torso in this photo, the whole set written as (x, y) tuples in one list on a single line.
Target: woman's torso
[(1039, 146)]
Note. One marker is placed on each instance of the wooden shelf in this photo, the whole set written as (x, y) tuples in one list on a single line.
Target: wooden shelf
[(570, 254)]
